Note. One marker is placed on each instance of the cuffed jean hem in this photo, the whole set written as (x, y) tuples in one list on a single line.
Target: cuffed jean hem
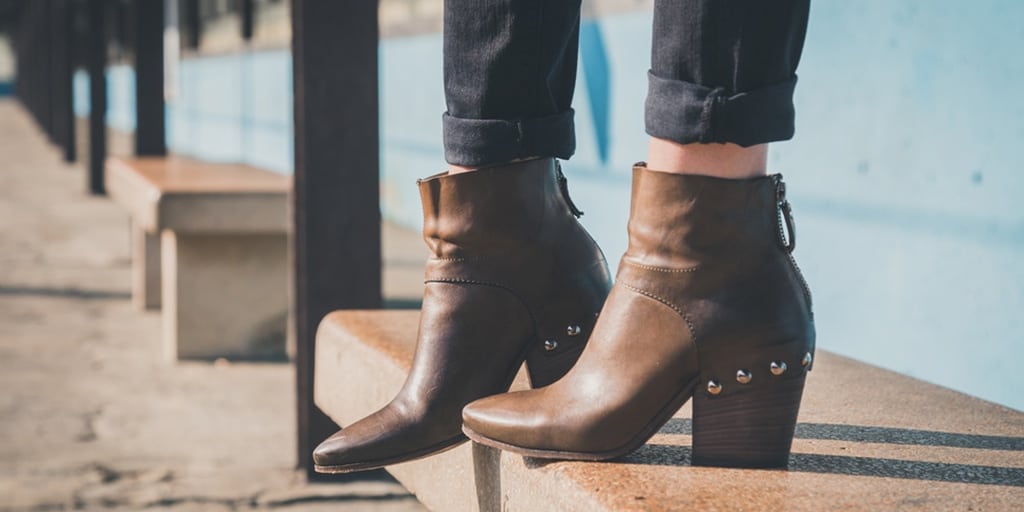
[(478, 142), (688, 113)]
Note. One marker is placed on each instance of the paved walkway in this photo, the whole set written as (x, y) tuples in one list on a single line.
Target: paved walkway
[(90, 418)]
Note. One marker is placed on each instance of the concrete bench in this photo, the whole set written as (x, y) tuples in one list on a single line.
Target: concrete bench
[(868, 439), (210, 248)]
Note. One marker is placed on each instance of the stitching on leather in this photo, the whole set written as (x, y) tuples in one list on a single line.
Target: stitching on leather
[(677, 309), (529, 310), (661, 269), (472, 281)]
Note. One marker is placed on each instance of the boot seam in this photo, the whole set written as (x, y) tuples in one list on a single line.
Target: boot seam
[(666, 302), (460, 259), (529, 310), (661, 269)]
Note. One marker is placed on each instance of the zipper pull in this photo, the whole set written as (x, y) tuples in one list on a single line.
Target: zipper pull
[(787, 228), (563, 185)]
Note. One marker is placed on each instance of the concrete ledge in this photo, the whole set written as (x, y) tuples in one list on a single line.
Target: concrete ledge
[(210, 247), (868, 439), (199, 197)]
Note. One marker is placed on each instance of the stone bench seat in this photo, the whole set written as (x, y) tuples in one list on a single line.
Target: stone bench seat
[(868, 439), (209, 248)]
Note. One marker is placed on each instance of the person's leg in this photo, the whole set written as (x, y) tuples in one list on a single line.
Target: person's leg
[(512, 275), (721, 83), (509, 75), (707, 303)]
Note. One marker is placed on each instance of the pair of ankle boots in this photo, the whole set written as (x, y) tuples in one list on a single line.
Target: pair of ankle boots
[(708, 303)]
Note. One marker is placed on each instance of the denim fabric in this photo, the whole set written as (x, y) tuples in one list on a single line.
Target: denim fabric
[(724, 70), (509, 75), (721, 71)]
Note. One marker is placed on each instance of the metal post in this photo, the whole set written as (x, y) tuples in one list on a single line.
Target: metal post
[(190, 15), (97, 65), (150, 139), (336, 252), (248, 16), (46, 100), (62, 110)]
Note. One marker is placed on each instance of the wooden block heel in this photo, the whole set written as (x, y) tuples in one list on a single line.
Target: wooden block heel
[(747, 426)]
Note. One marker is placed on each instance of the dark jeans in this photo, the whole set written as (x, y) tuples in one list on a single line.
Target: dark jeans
[(721, 71)]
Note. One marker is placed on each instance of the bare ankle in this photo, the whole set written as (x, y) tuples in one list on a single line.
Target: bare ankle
[(458, 169), (719, 160)]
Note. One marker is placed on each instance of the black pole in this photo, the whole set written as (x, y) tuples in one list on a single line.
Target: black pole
[(27, 59), (46, 85), (191, 17), (21, 46), (97, 65), (248, 16), (336, 202), (150, 139), (61, 89)]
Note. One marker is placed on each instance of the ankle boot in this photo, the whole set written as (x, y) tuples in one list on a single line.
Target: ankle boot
[(512, 276), (708, 304)]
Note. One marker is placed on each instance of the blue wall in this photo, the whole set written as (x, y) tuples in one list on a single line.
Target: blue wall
[(905, 174), (235, 108)]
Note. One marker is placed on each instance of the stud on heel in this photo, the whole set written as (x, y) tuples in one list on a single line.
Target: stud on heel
[(749, 426)]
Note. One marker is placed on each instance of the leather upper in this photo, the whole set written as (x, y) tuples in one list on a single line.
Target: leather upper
[(706, 287), (507, 258)]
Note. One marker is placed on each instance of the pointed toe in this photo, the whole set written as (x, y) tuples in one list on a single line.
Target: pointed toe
[(332, 451)]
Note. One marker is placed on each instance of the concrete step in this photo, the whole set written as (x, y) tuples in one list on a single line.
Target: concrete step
[(868, 439)]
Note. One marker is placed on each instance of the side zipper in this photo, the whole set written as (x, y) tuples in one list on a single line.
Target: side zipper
[(787, 232), (563, 185), (787, 235)]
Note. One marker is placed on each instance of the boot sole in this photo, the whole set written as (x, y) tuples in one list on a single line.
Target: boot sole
[(753, 430), (652, 427), (356, 467)]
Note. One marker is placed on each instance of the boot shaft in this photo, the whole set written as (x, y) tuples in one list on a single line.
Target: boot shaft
[(680, 221), (495, 211), (698, 242)]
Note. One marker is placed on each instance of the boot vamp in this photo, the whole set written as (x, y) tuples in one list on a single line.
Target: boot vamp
[(392, 433), (470, 345), (638, 363)]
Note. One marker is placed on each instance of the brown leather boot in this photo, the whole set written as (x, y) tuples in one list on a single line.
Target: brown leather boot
[(512, 276), (707, 303)]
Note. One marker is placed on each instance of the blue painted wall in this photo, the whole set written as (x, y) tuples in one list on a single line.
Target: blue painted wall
[(905, 174), (235, 108)]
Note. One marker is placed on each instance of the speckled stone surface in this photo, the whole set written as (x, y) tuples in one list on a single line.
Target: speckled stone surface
[(868, 439)]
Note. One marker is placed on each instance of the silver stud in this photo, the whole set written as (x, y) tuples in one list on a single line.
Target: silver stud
[(550, 345), (714, 387), (573, 330), (807, 360), (778, 368), (743, 376)]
